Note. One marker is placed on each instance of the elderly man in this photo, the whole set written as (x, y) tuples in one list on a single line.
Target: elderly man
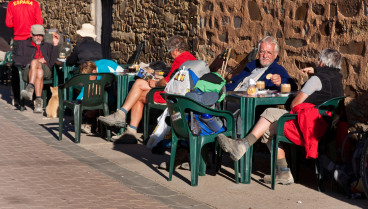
[(266, 64), (137, 95), (325, 84), (36, 58)]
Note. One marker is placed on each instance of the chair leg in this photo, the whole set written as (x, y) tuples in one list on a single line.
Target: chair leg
[(61, 122), (174, 145), (108, 129), (77, 122), (274, 149), (146, 124), (194, 160)]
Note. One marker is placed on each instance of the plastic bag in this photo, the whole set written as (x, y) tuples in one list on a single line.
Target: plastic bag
[(180, 83), (162, 131)]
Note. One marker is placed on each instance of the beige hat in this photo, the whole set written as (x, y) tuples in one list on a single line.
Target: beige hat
[(87, 30), (37, 30)]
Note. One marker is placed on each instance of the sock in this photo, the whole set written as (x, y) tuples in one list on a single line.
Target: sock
[(124, 110), (38, 97), (133, 127), (281, 163), (250, 138), (31, 85)]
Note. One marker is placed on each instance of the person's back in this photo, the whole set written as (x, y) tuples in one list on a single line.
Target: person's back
[(108, 66), (22, 15)]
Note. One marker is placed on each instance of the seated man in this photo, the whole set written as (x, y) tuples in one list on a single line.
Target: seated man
[(36, 57), (137, 95), (324, 85), (266, 64)]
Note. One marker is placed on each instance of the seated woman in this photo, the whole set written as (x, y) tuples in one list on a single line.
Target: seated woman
[(137, 95)]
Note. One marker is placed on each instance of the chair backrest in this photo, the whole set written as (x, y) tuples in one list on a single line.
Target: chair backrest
[(179, 107), (94, 87), (137, 53), (333, 105)]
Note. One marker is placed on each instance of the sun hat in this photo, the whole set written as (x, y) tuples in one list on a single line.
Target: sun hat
[(87, 30), (37, 30)]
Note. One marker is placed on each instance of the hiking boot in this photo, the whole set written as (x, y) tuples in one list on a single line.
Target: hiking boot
[(115, 119), (86, 128), (130, 136), (236, 148), (283, 176), (38, 103), (27, 94)]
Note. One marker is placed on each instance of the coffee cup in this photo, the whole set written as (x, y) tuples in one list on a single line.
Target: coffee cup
[(285, 88), (260, 85)]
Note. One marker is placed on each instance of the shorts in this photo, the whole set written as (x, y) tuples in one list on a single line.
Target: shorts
[(46, 72), (272, 115)]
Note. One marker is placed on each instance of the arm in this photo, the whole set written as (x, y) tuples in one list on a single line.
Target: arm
[(300, 98)]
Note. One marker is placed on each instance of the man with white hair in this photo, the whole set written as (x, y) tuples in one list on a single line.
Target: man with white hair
[(324, 84), (87, 49), (266, 64), (36, 58)]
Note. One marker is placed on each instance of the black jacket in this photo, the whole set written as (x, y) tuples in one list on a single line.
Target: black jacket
[(26, 52), (85, 50)]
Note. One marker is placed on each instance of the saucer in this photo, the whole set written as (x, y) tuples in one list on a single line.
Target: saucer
[(284, 94)]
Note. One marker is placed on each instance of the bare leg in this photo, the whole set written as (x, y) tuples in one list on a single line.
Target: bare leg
[(136, 113), (139, 89), (36, 76), (261, 127)]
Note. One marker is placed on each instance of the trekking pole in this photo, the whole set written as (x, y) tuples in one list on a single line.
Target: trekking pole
[(227, 55)]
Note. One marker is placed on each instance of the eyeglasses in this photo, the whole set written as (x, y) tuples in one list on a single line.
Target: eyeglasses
[(170, 50)]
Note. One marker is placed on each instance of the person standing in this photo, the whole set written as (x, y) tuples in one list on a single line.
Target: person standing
[(21, 15)]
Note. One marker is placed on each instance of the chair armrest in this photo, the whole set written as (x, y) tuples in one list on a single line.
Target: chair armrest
[(152, 92)]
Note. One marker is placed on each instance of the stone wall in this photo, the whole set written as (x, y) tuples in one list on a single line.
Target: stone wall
[(302, 27)]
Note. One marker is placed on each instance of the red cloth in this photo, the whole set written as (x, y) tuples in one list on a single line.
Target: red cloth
[(38, 54), (22, 14), (307, 129), (183, 57)]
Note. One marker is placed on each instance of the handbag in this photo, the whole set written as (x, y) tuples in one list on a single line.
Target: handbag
[(180, 83)]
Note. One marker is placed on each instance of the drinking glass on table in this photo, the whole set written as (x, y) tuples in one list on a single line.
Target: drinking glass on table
[(285, 88), (260, 85)]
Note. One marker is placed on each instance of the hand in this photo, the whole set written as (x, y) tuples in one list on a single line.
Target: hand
[(55, 38), (276, 79), (152, 83), (308, 70), (42, 60)]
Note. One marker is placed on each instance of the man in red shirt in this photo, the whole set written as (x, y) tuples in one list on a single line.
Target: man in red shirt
[(21, 15), (137, 95)]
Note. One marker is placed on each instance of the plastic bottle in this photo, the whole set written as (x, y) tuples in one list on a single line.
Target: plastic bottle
[(213, 123), (67, 47)]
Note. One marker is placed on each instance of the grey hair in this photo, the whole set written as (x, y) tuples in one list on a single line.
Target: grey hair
[(331, 58), (271, 40), (177, 42)]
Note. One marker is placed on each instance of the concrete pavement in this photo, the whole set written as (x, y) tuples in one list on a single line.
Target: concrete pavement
[(38, 171)]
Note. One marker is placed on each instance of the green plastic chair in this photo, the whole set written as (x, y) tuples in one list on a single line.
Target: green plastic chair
[(22, 86), (147, 107), (5, 67), (179, 107), (333, 105), (94, 97)]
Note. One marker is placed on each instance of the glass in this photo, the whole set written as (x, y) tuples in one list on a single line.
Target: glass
[(285, 88), (260, 85), (62, 55)]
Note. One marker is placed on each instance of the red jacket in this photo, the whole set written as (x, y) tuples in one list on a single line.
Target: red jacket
[(183, 57), (22, 14), (307, 129)]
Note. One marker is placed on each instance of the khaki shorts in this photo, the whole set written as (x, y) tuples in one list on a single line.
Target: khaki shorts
[(272, 115), (46, 72)]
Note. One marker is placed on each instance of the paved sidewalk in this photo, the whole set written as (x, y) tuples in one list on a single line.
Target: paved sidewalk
[(38, 171)]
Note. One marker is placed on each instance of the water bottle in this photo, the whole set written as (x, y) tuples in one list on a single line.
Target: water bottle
[(213, 123), (67, 47)]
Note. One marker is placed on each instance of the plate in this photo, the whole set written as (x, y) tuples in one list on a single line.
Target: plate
[(61, 60), (284, 94), (131, 73)]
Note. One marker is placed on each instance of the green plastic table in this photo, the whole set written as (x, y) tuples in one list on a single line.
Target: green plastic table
[(248, 106), (122, 85)]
